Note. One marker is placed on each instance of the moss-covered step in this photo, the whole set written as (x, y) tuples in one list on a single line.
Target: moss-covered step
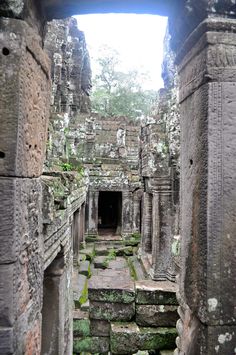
[(132, 240), (81, 327), (167, 352), (112, 288), (128, 338), (92, 345), (80, 290), (156, 315), (111, 311), (156, 292), (84, 268)]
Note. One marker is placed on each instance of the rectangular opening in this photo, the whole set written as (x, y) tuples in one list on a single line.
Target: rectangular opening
[(109, 212)]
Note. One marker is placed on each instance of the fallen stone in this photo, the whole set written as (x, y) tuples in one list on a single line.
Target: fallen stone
[(91, 345), (155, 292), (100, 262), (128, 338), (156, 315), (112, 311), (112, 289), (99, 328), (84, 268), (88, 252)]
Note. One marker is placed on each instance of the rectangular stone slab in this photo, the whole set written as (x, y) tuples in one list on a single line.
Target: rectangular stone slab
[(156, 315), (91, 345), (111, 289), (99, 328), (112, 311), (155, 292), (128, 338)]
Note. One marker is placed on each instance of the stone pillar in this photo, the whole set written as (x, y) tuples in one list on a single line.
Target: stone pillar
[(75, 231), (126, 212), (161, 237), (93, 212), (136, 212), (206, 65), (82, 223), (24, 111), (53, 309), (146, 241)]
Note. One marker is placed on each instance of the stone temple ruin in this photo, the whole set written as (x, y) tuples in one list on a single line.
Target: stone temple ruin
[(113, 238)]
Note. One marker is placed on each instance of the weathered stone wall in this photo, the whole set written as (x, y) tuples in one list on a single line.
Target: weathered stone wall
[(71, 83)]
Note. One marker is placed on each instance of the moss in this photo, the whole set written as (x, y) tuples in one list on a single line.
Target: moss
[(111, 256), (84, 295), (132, 270), (91, 345), (81, 327)]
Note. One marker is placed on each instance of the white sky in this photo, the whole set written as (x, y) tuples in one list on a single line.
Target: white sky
[(138, 39)]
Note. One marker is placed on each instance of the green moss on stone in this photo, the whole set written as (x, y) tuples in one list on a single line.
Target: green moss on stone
[(81, 327)]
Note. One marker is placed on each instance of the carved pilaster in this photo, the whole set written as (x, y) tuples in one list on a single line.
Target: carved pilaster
[(208, 193), (146, 241)]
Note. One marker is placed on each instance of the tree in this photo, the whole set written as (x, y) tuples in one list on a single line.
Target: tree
[(117, 93)]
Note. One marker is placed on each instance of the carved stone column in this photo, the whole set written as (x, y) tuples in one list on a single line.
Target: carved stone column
[(137, 211), (206, 65), (126, 212), (161, 237), (93, 212), (146, 241)]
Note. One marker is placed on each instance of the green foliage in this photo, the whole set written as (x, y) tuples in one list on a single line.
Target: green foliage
[(117, 93), (66, 166), (111, 256)]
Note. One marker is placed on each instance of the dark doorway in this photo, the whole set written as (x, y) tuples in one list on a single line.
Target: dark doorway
[(109, 211)]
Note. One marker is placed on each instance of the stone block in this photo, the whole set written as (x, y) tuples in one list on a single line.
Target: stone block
[(81, 327), (100, 262), (112, 311), (80, 290), (156, 315), (84, 268), (6, 340), (156, 292), (99, 328), (24, 100), (92, 345), (128, 338), (20, 217), (112, 289)]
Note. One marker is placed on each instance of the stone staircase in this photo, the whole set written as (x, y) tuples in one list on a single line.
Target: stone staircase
[(116, 313)]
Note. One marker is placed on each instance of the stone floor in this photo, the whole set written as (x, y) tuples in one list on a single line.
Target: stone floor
[(118, 310)]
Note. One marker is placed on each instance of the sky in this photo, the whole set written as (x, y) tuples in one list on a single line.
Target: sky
[(138, 39)]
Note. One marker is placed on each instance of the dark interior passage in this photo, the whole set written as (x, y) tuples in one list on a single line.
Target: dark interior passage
[(109, 210)]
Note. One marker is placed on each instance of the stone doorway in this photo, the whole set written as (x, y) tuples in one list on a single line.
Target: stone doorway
[(109, 212)]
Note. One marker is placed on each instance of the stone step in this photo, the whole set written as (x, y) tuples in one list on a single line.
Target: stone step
[(156, 315), (91, 345), (156, 292), (167, 352), (111, 288), (80, 290), (111, 311), (129, 338), (84, 268)]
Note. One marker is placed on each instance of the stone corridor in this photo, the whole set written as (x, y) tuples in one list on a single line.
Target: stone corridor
[(118, 308)]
